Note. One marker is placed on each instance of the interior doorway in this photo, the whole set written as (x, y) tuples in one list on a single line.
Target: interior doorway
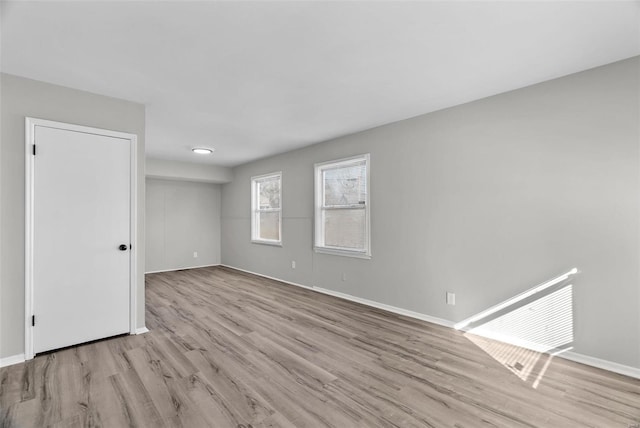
[(80, 282)]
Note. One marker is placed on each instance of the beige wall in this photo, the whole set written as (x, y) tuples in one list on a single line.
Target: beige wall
[(485, 199), (182, 217), (20, 98)]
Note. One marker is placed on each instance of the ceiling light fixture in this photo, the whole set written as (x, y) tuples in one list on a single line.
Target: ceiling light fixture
[(202, 151)]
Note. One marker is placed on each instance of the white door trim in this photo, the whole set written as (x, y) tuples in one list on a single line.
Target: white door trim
[(30, 125)]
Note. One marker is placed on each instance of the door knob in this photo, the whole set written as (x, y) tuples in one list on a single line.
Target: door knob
[(122, 247)]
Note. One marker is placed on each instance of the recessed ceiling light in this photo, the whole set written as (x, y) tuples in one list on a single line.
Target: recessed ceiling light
[(202, 151)]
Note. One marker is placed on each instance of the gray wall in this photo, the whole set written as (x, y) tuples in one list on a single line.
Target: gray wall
[(187, 171), (485, 199), (181, 217), (23, 97)]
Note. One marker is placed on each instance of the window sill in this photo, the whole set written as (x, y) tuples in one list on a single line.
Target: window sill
[(271, 243), (345, 253)]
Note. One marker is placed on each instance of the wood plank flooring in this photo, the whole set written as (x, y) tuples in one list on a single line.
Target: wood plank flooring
[(229, 349)]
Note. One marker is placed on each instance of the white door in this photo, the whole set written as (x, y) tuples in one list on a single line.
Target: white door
[(81, 237)]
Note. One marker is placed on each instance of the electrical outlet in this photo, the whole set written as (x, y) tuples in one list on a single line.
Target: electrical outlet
[(195, 254), (451, 298), (293, 264), (344, 276)]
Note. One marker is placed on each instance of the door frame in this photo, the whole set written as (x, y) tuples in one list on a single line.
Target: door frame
[(30, 125)]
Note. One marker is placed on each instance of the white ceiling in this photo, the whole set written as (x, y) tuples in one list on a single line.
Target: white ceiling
[(251, 79)]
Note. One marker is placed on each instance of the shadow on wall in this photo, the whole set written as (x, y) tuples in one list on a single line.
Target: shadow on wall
[(525, 332)]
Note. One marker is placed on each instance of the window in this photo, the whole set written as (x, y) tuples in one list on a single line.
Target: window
[(266, 209), (342, 207)]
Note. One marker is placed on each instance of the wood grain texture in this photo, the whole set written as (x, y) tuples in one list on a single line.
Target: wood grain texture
[(230, 349)]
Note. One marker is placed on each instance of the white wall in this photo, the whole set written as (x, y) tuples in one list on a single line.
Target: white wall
[(182, 217), (23, 97), (485, 199)]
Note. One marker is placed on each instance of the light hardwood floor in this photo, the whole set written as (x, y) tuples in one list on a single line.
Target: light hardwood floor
[(229, 349)]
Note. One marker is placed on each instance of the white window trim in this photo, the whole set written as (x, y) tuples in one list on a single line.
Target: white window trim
[(254, 226), (319, 246)]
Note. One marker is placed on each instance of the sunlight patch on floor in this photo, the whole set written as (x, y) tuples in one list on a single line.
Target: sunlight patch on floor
[(524, 335), (542, 325)]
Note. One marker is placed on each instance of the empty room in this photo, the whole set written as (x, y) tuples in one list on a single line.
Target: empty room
[(342, 214)]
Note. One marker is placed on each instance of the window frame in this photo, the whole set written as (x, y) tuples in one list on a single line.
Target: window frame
[(255, 209), (319, 208)]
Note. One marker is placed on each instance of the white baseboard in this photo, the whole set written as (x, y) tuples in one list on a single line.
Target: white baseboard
[(269, 277), (572, 356), (182, 268), (20, 358), (14, 359), (601, 364), (372, 303), (384, 307)]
